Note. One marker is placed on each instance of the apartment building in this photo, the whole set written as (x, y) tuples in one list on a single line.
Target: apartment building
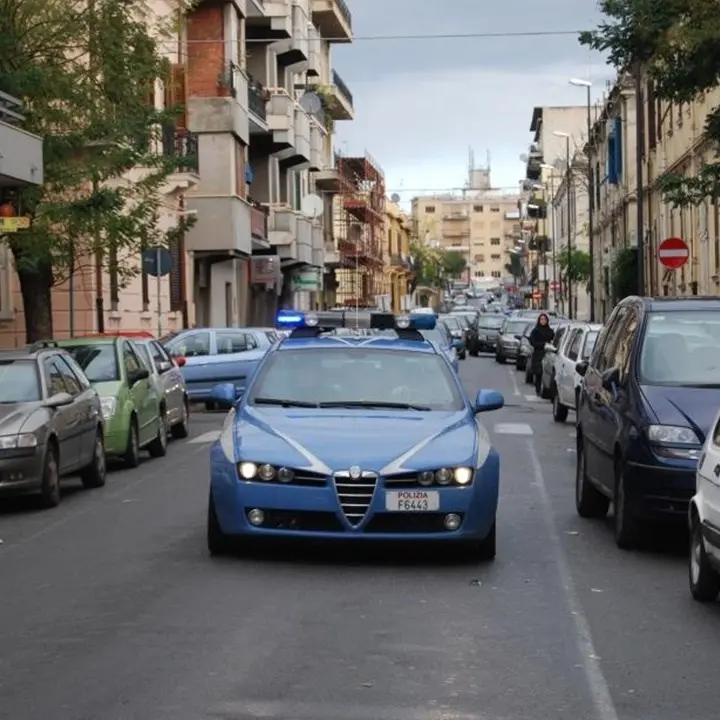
[(479, 224), (396, 256)]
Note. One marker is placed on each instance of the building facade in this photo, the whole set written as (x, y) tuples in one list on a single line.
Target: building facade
[(396, 257)]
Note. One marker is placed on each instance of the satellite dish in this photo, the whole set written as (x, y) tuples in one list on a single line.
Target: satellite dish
[(310, 102), (523, 157), (312, 206), (395, 198)]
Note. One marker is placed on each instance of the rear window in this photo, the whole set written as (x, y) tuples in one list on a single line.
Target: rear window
[(98, 361)]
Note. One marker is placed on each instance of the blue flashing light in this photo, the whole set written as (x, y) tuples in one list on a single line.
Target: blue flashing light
[(423, 321), (290, 319)]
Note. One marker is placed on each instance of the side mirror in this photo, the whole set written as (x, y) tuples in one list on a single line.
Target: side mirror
[(180, 361), (550, 347), (611, 379), (225, 395), (137, 375), (163, 366), (458, 344), (58, 400), (518, 337), (488, 400), (581, 368)]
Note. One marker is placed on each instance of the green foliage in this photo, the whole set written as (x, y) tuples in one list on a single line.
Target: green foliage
[(677, 45), (85, 70), (452, 263), (435, 267), (624, 274), (574, 265)]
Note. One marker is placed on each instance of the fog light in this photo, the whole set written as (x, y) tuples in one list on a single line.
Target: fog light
[(452, 521), (257, 517)]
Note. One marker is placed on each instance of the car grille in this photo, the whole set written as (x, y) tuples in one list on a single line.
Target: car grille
[(390, 523), (302, 521), (355, 495)]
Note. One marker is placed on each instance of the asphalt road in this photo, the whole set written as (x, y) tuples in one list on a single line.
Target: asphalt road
[(110, 608)]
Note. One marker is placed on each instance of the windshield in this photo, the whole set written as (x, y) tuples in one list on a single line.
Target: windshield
[(681, 348), (360, 375), (98, 361), (590, 341), (452, 322), (434, 336), (144, 353), (491, 322), (19, 381), (516, 327)]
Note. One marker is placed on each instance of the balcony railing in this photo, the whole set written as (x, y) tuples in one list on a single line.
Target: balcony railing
[(344, 11), (257, 99), (339, 83), (181, 145), (259, 222)]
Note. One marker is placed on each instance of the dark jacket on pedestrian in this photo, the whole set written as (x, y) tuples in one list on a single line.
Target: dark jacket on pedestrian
[(541, 335)]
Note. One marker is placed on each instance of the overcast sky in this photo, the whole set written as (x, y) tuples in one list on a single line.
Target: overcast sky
[(420, 104)]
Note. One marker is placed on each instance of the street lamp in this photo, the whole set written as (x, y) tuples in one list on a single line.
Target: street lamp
[(553, 170), (591, 210), (568, 182)]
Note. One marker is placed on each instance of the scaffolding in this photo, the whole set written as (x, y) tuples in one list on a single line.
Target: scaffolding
[(359, 231)]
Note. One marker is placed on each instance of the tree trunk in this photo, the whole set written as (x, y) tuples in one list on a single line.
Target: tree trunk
[(36, 288)]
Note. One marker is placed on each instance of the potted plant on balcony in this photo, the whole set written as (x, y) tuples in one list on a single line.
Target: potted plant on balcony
[(324, 92)]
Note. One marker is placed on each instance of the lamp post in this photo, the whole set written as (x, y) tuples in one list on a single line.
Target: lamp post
[(552, 169), (591, 202), (568, 189)]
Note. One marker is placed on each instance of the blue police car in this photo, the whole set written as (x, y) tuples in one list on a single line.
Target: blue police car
[(363, 437)]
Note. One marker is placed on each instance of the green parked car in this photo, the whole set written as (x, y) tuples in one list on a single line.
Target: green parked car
[(132, 404)]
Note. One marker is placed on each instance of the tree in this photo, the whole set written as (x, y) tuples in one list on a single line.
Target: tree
[(574, 264), (452, 263), (426, 265), (86, 71), (676, 43)]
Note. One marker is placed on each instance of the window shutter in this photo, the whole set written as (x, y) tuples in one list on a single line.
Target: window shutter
[(175, 95)]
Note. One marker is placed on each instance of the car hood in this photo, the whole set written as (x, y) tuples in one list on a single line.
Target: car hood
[(14, 415), (386, 442), (683, 406)]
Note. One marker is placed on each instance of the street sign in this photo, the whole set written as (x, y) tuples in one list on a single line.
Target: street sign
[(157, 261), (673, 253), (537, 295), (13, 224)]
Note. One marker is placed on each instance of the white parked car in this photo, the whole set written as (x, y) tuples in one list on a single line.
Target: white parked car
[(577, 344), (704, 558)]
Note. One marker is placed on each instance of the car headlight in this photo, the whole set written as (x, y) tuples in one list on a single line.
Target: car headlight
[(18, 442), (108, 405), (672, 435), (264, 472), (482, 336), (446, 476)]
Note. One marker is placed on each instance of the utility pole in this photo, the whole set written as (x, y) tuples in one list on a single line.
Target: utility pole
[(591, 206), (569, 190), (639, 154)]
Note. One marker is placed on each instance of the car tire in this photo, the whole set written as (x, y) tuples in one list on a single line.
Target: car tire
[(704, 578), (499, 359), (50, 487), (547, 393), (590, 503), (95, 474), (131, 457), (560, 411), (474, 353), (158, 447), (181, 430), (487, 547), (627, 528), (218, 543)]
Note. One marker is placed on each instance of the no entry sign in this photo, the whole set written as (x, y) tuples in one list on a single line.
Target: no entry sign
[(673, 253)]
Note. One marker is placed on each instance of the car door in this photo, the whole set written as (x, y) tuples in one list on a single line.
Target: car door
[(85, 399), (570, 357), (171, 380), (140, 392), (709, 485), (65, 419)]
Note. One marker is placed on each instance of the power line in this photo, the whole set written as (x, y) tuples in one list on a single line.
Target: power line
[(453, 190)]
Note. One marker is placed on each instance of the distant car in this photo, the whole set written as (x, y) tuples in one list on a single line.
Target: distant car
[(508, 342), (458, 333), (217, 355), (489, 330), (51, 424)]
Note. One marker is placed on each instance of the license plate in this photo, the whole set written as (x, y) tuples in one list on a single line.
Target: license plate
[(412, 501)]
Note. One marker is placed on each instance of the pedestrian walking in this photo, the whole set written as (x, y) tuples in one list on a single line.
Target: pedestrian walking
[(540, 336)]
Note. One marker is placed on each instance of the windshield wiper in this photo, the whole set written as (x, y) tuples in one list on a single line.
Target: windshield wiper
[(373, 404), (281, 402)]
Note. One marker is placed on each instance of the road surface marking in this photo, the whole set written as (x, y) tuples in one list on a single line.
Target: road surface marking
[(602, 700), (513, 378), (513, 429), (207, 437)]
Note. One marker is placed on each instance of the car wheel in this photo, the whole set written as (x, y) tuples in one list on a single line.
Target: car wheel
[(158, 447), (499, 359), (589, 501), (704, 579), (546, 393), (474, 353), (627, 528), (50, 487), (528, 375), (218, 542), (560, 411), (95, 474), (487, 547), (182, 429), (131, 458)]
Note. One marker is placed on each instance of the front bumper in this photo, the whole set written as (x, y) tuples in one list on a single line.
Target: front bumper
[(661, 492), (117, 429), (508, 351), (315, 512), (20, 471)]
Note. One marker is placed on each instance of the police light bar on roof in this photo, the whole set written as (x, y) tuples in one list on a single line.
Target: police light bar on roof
[(295, 320)]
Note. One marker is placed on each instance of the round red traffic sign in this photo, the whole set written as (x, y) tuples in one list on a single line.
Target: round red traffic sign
[(673, 253)]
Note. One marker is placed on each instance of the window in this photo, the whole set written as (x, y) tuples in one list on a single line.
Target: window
[(72, 384), (496, 257), (495, 208), (590, 340), (145, 356), (575, 345), (158, 353), (272, 336), (97, 360), (19, 381), (606, 356), (234, 342), (477, 208), (194, 344), (359, 375), (131, 360), (430, 209), (77, 370), (557, 340), (479, 273), (496, 274), (495, 241), (53, 377)]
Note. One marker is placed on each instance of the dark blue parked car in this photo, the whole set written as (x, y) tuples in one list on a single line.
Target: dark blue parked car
[(649, 396)]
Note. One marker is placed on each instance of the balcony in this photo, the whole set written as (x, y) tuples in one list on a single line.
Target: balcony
[(216, 114), (268, 18), (456, 248), (315, 58), (258, 223), (297, 154), (334, 20), (257, 106), (291, 233), (22, 153), (399, 262), (317, 136), (293, 53), (280, 121), (222, 227), (181, 147), (340, 101)]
